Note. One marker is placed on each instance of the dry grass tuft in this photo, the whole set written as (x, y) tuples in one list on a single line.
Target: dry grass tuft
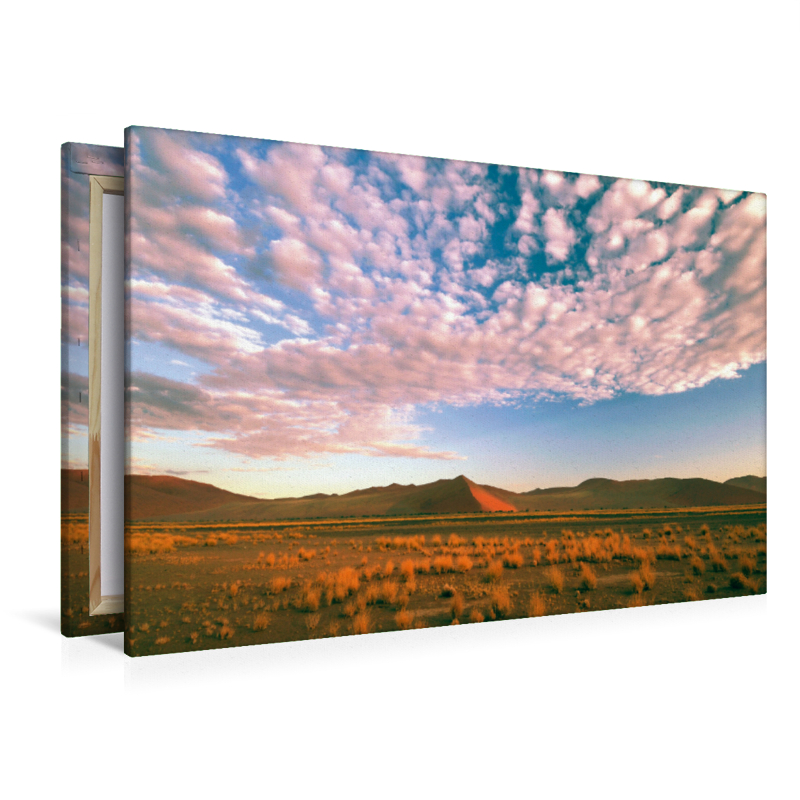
[(345, 583), (691, 594), (475, 616), (739, 581), (443, 564), (388, 569), (312, 620), (637, 583), (261, 622), (463, 564), (407, 570), (447, 590), (513, 560), (588, 577), (500, 601), (457, 606), (747, 565), (697, 564), (279, 584), (362, 622), (404, 619), (537, 605), (648, 575), (555, 578), (389, 591), (494, 571)]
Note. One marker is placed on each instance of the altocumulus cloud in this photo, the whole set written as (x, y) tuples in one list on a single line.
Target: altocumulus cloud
[(331, 293)]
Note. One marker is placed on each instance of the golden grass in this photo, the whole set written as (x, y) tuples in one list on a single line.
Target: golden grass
[(261, 621), (697, 564), (494, 571), (588, 577), (537, 605), (475, 615), (279, 584), (463, 564), (457, 606), (500, 601), (739, 581), (388, 569), (407, 570), (513, 560), (718, 563), (747, 565), (312, 620), (648, 575), (637, 583), (404, 619), (443, 564), (555, 578), (362, 622), (388, 591), (346, 583), (672, 552), (454, 540)]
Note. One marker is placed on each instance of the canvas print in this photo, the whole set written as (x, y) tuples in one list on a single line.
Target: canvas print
[(371, 392), (78, 162)]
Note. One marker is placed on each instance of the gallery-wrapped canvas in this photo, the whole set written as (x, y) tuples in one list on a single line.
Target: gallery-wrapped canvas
[(369, 392), (80, 164)]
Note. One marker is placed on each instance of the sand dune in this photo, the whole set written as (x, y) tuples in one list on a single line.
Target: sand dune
[(165, 497)]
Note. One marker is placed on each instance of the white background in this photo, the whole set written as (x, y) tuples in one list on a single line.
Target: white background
[(692, 700)]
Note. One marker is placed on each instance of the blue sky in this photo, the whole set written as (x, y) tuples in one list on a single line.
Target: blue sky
[(310, 319)]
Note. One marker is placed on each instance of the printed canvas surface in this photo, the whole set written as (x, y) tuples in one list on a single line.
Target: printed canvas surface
[(371, 392), (78, 162)]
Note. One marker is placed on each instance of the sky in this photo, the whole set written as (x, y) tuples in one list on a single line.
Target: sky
[(309, 319)]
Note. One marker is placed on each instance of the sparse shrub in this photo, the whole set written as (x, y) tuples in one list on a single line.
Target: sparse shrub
[(637, 583), (457, 606), (233, 589), (551, 551), (436, 540), (513, 560), (739, 581), (362, 622), (536, 556), (404, 619), (407, 570), (350, 608), (261, 621), (747, 565), (475, 615), (463, 564), (312, 620), (311, 598), (494, 571), (697, 564), (389, 590), (588, 577), (718, 563), (346, 583), (669, 551), (537, 605), (388, 569), (648, 575), (279, 584), (443, 564), (555, 578), (423, 565), (500, 601), (306, 555), (225, 632), (455, 540)]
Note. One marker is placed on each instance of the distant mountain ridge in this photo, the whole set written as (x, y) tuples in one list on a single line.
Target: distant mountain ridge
[(750, 482), (168, 497)]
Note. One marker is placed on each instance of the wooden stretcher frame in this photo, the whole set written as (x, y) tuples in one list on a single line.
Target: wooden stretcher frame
[(98, 186)]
